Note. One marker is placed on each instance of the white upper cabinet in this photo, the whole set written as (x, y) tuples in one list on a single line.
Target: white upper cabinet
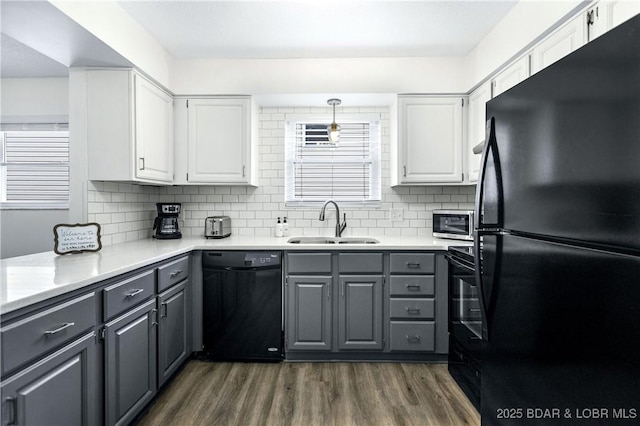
[(515, 73), (608, 14), (560, 43), (129, 128), (427, 142), (219, 137), (476, 125)]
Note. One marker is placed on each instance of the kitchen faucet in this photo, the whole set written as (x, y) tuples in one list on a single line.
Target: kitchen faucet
[(339, 226)]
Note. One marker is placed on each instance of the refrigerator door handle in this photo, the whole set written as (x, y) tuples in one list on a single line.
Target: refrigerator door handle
[(490, 149), (478, 276)]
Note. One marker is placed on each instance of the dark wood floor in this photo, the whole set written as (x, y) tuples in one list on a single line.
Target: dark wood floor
[(310, 394)]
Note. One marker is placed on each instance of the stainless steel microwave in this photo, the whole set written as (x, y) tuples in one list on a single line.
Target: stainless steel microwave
[(453, 224)]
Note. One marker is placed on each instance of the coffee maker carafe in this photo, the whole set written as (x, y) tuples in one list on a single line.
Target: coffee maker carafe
[(166, 224)]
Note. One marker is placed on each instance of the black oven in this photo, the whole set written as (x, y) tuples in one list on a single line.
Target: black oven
[(465, 323)]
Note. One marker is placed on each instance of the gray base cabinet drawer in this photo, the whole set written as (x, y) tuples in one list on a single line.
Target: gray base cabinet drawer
[(33, 336), (129, 293), (412, 336), (309, 263), (360, 263), (412, 263), (401, 285), (172, 273), (412, 308)]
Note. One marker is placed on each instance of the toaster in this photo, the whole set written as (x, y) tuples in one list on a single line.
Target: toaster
[(217, 227)]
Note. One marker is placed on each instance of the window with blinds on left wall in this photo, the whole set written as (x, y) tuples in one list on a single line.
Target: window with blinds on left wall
[(34, 169)]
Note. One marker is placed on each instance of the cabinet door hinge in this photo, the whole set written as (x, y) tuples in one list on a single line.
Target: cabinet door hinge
[(463, 102), (286, 281), (187, 103), (101, 334)]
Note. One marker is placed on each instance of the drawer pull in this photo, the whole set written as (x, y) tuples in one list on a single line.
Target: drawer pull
[(13, 403), (413, 310), (413, 339), (59, 329), (413, 265), (134, 292), (175, 273), (413, 287)]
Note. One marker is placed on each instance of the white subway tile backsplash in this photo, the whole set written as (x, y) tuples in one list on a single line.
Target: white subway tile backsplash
[(126, 211)]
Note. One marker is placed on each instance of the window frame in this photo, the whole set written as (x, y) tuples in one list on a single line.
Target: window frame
[(375, 187), (31, 205)]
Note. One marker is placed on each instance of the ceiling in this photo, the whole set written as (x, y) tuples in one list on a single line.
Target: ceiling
[(317, 29)]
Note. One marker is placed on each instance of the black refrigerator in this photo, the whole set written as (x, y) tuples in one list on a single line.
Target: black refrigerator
[(557, 241)]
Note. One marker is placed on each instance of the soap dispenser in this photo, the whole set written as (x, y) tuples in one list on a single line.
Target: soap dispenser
[(279, 229), (285, 228)]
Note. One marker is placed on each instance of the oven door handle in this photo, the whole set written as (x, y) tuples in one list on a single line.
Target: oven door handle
[(457, 263)]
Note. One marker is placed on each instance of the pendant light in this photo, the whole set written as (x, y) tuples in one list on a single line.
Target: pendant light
[(333, 129)]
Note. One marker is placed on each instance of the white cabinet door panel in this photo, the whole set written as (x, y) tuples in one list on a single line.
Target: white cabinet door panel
[(559, 44), (477, 110), (430, 140)]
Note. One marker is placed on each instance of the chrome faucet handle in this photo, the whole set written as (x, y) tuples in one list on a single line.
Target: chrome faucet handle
[(343, 225)]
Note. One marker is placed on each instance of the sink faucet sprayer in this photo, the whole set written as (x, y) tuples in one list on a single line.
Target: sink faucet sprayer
[(339, 226)]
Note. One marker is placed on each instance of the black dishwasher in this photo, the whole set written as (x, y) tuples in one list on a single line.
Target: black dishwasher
[(242, 306)]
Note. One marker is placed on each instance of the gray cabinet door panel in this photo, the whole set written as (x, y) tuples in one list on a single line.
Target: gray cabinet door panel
[(58, 390), (172, 330), (360, 312), (309, 263), (172, 273), (130, 363), (128, 293), (360, 263), (309, 313), (31, 337)]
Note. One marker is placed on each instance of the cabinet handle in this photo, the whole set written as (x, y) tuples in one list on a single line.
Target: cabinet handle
[(413, 287), (141, 163), (413, 310), (155, 317), (13, 411), (243, 171), (413, 339), (404, 171), (164, 310), (59, 329), (175, 273), (413, 265), (134, 292)]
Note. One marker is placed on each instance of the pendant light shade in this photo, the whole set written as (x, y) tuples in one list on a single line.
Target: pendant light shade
[(333, 129)]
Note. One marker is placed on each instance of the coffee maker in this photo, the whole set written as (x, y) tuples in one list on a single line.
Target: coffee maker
[(166, 224)]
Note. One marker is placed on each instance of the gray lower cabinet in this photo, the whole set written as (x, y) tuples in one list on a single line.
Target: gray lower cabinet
[(57, 390), (172, 330), (309, 313), (360, 312), (130, 363)]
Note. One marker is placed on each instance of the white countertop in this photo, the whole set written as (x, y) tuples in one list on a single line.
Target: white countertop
[(30, 279)]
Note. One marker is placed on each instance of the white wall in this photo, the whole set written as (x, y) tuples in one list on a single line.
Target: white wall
[(34, 98), (318, 75), (31, 100)]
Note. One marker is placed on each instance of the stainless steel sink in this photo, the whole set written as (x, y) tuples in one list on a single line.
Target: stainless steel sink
[(312, 240), (331, 240), (354, 240)]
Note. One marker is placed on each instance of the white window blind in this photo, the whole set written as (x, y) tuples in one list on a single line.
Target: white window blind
[(35, 169), (317, 170)]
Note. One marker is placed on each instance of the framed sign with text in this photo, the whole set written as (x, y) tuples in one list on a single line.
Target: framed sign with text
[(76, 238)]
